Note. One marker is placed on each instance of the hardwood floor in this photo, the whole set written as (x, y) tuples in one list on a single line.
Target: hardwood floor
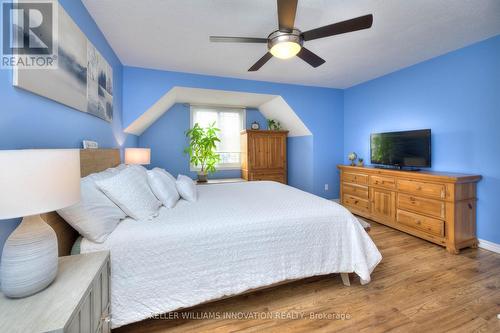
[(418, 287)]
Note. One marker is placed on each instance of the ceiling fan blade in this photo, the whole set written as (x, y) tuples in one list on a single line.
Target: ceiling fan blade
[(286, 14), (310, 57), (222, 39), (261, 62), (358, 23)]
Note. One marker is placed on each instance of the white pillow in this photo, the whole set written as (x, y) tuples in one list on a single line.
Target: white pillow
[(129, 189), (163, 187), (186, 188), (95, 216), (166, 173)]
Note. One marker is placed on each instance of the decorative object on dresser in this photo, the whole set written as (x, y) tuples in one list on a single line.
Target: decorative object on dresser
[(34, 182), (141, 156), (77, 301), (436, 206), (352, 157), (273, 125), (202, 149), (255, 125), (263, 155), (361, 162)]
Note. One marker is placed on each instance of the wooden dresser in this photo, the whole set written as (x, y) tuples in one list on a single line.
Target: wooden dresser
[(438, 207), (263, 155)]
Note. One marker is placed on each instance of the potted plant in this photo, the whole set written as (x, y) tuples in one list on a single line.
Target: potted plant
[(201, 150), (273, 125)]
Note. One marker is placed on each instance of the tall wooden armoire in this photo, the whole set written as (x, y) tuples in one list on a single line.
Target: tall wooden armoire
[(263, 155)]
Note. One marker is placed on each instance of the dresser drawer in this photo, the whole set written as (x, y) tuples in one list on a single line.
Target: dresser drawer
[(382, 181), (276, 177), (420, 205), (423, 223), (437, 191), (356, 203), (355, 190), (355, 178)]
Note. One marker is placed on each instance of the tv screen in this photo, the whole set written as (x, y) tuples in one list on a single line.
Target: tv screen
[(402, 149)]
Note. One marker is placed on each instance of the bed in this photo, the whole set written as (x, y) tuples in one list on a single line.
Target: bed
[(236, 237)]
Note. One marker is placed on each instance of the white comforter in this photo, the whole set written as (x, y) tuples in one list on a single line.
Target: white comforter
[(235, 237)]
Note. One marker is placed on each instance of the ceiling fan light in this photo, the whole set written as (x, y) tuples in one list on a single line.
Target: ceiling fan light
[(285, 50)]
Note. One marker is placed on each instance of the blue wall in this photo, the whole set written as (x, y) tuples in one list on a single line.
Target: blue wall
[(300, 160), (456, 95), (321, 109), (30, 121)]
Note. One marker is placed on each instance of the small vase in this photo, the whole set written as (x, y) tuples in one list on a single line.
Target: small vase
[(361, 163)]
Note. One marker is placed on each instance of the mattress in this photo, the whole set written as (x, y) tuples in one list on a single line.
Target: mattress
[(236, 237)]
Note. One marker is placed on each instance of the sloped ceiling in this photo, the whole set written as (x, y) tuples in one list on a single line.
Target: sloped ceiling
[(271, 106)]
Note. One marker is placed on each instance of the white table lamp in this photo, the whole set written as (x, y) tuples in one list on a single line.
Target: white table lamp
[(34, 182), (137, 156)]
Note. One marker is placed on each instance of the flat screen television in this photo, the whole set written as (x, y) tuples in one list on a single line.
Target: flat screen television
[(411, 149)]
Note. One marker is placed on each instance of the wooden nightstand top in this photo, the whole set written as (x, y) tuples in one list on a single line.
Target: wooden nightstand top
[(51, 309), (223, 181)]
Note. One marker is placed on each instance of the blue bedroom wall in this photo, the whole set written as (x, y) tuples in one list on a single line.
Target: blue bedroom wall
[(31, 121), (321, 109), (457, 95), (300, 163)]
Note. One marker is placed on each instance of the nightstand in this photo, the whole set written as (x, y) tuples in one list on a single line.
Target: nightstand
[(77, 301), (222, 181)]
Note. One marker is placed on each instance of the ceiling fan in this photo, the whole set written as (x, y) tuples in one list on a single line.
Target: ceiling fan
[(288, 41)]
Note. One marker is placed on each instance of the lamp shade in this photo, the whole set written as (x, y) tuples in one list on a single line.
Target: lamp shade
[(36, 181), (137, 155)]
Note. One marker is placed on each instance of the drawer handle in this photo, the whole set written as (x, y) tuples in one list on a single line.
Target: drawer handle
[(419, 222), (412, 199), (470, 206), (419, 188), (356, 202)]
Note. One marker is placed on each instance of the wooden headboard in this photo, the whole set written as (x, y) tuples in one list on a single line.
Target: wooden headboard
[(91, 161)]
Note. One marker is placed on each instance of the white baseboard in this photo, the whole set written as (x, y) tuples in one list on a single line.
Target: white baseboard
[(490, 246)]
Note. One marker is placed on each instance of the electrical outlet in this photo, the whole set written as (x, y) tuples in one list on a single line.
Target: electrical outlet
[(326, 187)]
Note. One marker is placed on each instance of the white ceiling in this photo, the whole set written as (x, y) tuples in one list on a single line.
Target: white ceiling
[(173, 35)]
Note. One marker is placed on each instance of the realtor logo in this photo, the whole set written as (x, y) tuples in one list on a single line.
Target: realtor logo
[(29, 34)]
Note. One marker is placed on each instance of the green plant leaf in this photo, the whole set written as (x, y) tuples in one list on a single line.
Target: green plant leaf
[(202, 147)]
